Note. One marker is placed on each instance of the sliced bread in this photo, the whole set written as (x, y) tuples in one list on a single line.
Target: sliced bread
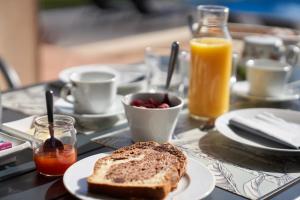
[(145, 170)]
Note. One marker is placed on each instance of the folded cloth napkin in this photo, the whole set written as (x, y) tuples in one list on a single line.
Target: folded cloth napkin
[(22, 128), (270, 127)]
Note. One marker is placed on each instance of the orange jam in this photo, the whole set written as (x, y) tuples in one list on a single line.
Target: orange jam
[(55, 163)]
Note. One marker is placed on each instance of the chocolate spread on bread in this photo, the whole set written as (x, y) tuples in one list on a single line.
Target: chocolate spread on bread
[(151, 164), (145, 169)]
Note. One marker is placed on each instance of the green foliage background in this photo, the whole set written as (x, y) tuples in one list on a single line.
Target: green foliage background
[(50, 4)]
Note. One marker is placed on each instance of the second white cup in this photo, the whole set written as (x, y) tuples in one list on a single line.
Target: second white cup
[(267, 78), (93, 91)]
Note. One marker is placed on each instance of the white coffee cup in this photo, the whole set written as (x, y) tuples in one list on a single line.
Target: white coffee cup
[(93, 91), (267, 78)]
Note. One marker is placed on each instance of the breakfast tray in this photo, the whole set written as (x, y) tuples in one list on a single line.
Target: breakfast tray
[(238, 169)]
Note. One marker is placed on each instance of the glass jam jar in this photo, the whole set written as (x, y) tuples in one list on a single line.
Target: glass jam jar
[(54, 161)]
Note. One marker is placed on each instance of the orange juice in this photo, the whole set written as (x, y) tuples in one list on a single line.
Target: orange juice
[(209, 77)]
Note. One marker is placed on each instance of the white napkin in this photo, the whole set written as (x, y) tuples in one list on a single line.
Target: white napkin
[(22, 128), (270, 127)]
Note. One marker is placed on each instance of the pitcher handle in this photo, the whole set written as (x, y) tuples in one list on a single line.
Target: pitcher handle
[(292, 54)]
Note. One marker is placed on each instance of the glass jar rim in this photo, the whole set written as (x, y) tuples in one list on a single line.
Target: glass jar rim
[(42, 121), (213, 8)]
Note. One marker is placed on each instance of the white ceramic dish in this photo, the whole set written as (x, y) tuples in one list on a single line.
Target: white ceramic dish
[(198, 183), (132, 78), (93, 121), (17, 145), (241, 89), (152, 124), (67, 108), (252, 140)]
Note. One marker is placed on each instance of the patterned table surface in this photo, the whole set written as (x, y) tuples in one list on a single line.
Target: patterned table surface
[(246, 171)]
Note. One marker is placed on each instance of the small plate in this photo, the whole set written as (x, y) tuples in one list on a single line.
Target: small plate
[(93, 121), (242, 89), (132, 78), (198, 183), (67, 108), (253, 140)]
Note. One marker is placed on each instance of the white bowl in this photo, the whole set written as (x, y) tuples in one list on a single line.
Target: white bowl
[(152, 124)]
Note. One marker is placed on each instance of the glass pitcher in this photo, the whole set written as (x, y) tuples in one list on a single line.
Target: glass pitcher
[(211, 63)]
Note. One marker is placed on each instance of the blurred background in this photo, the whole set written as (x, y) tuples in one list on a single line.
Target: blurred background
[(39, 38)]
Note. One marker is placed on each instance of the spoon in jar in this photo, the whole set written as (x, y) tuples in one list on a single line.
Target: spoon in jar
[(51, 144), (171, 67)]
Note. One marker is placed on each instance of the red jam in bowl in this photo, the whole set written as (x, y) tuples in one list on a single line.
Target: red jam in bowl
[(149, 103)]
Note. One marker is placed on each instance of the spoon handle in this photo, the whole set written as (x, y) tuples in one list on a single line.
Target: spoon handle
[(172, 62), (49, 102)]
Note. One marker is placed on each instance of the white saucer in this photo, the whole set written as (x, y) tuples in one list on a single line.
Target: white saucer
[(65, 107), (251, 139), (93, 121), (198, 182), (131, 78), (241, 89)]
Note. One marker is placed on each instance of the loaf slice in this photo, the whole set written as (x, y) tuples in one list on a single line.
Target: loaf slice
[(145, 170)]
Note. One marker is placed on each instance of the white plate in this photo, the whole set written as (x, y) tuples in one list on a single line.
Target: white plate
[(131, 78), (198, 183), (67, 108), (250, 139), (242, 89)]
